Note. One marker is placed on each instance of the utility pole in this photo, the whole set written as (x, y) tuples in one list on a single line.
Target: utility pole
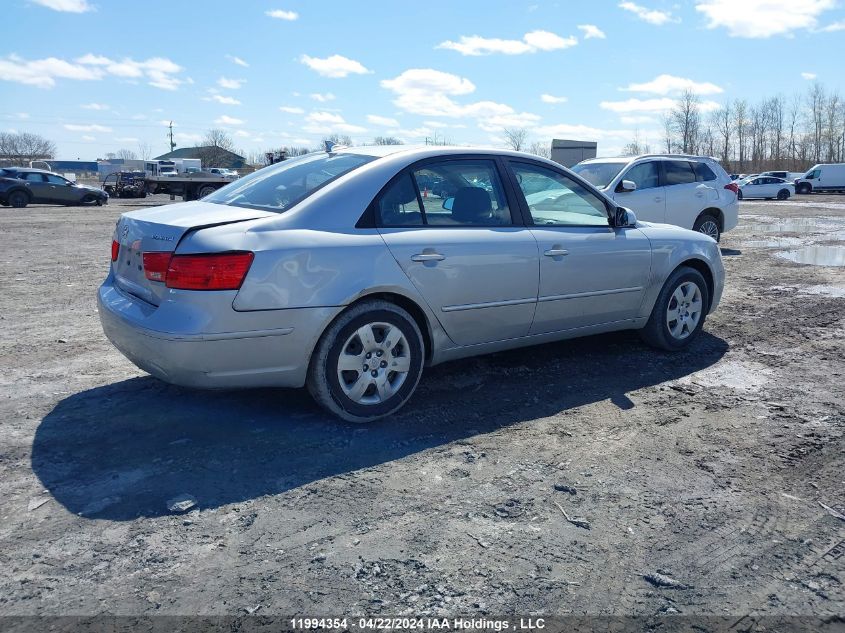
[(172, 144)]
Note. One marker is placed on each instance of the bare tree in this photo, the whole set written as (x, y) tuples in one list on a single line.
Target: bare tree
[(636, 147), (816, 100), (666, 120), (539, 148), (386, 140), (723, 123), (741, 127), (21, 148), (515, 138), (127, 154), (145, 152), (686, 120), (215, 149)]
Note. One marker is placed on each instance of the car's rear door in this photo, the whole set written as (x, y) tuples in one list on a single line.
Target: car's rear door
[(590, 272), (465, 251), (41, 191), (685, 196)]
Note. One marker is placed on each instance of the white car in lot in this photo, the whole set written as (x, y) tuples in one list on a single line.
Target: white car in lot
[(692, 192), (766, 187)]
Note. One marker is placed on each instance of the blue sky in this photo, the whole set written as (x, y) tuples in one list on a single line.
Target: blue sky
[(99, 75)]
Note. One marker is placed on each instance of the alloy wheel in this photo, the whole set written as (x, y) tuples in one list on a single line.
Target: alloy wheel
[(709, 227), (684, 310), (373, 363)]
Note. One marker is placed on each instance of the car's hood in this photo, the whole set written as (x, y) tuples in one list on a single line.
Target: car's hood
[(90, 187)]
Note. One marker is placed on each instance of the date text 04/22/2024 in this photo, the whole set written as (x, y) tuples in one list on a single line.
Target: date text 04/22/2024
[(422, 624)]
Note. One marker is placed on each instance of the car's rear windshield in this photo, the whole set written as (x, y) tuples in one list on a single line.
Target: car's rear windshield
[(279, 187), (599, 175)]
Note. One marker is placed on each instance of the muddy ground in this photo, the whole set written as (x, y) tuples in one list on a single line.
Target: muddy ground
[(709, 466)]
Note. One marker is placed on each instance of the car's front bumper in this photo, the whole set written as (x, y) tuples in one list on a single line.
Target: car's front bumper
[(196, 339)]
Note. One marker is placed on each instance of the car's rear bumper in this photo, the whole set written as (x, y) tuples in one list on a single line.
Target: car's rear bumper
[(202, 342), (730, 212)]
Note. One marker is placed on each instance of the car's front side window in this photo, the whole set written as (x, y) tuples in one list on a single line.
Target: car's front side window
[(554, 199), (644, 175), (56, 180)]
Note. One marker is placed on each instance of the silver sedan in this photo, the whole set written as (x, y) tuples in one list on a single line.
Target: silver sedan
[(348, 271)]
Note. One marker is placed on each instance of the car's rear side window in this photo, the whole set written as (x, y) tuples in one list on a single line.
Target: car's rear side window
[(678, 172), (703, 173)]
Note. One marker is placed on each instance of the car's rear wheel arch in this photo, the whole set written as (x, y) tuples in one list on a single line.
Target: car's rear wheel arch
[(716, 213), (702, 267), (412, 308)]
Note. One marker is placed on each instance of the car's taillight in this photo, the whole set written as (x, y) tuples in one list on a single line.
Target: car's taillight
[(155, 265), (211, 271), (115, 250), (732, 186)]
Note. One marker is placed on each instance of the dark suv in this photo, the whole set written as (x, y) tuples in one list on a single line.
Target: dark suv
[(20, 186)]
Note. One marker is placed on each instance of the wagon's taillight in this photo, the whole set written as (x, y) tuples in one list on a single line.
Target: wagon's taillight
[(732, 186), (155, 265), (208, 271), (115, 249)]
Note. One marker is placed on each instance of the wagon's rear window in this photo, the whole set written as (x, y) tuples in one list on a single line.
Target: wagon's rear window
[(279, 187)]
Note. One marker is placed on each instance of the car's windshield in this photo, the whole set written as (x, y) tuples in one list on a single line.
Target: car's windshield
[(598, 174), (279, 187)]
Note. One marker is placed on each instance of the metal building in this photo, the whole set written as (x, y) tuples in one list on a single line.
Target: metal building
[(569, 153)]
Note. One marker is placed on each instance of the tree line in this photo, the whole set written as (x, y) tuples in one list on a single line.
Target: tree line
[(19, 148), (775, 132)]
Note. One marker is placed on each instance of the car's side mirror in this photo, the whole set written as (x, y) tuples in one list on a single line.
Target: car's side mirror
[(624, 218), (447, 203), (627, 186)]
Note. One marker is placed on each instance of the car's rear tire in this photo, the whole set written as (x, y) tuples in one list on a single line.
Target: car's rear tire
[(709, 225), (368, 362), (679, 312), (739, 194), (783, 194), (18, 199), (205, 191)]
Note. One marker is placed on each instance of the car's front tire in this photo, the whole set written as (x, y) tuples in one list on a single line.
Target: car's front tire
[(368, 362), (679, 312)]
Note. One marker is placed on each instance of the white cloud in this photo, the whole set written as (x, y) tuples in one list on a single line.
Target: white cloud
[(281, 14), (222, 99), (86, 128), (44, 72), (762, 18), (237, 60), (322, 97), (834, 27), (67, 6), (94, 106), (230, 84), (383, 121), (669, 84), (809, 76), (441, 124), (530, 43), (88, 137), (187, 138), (242, 133), (564, 130), (591, 31), (652, 16), (429, 92), (329, 123), (291, 109), (160, 71), (651, 105), (126, 139), (546, 98), (17, 115), (636, 119), (228, 120), (336, 66)]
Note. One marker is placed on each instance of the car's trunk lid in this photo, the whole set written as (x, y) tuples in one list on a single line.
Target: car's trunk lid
[(159, 230)]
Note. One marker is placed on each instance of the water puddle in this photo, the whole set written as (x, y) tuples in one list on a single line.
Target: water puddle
[(775, 242), (816, 255), (825, 290), (797, 225)]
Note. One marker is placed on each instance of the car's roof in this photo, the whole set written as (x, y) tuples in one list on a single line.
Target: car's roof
[(417, 152), (629, 159)]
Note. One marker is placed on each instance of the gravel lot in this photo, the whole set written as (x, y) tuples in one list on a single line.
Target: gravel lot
[(709, 467)]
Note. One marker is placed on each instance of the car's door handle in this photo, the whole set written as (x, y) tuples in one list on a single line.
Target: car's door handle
[(658, 199), (556, 252), (699, 194), (428, 257)]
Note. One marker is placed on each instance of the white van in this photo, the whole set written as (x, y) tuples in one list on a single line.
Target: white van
[(830, 177)]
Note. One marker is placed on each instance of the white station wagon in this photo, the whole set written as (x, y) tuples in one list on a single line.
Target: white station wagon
[(344, 271)]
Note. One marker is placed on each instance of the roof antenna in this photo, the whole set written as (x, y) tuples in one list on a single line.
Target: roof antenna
[(329, 145)]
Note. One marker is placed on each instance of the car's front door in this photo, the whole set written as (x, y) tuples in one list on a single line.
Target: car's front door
[(648, 200), (62, 190), (590, 272), (474, 265)]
